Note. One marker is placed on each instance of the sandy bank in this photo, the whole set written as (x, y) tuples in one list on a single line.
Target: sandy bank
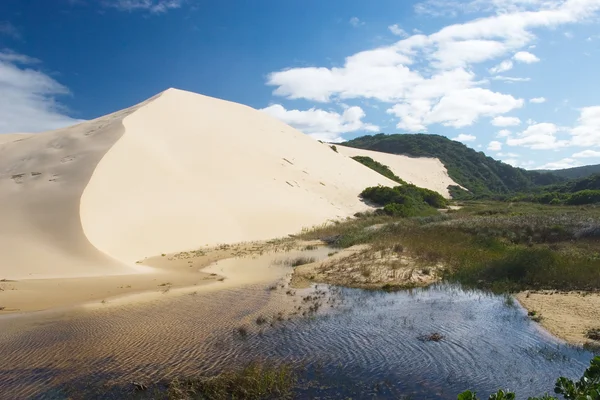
[(225, 266), (361, 267), (566, 315)]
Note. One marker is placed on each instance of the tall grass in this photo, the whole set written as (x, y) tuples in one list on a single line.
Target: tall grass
[(504, 248), (255, 381)]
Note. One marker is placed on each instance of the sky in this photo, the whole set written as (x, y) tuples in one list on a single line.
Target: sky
[(516, 79)]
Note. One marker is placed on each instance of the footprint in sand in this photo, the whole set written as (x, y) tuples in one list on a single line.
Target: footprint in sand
[(18, 178), (67, 159)]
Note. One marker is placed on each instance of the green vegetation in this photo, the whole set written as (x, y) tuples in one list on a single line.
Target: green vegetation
[(298, 261), (490, 245), (481, 175), (378, 167), (577, 172), (405, 201), (575, 192), (586, 388), (256, 381)]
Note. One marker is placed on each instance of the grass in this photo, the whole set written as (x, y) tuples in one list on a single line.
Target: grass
[(255, 381), (301, 260), (498, 246)]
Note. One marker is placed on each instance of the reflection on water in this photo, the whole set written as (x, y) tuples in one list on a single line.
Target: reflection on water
[(367, 345)]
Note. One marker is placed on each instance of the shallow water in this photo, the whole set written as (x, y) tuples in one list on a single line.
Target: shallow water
[(366, 345)]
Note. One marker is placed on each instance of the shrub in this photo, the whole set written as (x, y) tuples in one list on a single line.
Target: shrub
[(584, 197), (586, 388)]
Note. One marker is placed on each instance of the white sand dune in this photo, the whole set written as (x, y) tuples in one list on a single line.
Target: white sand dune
[(425, 172), (176, 172)]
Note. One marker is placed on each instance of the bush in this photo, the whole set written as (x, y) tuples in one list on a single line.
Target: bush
[(378, 167), (586, 388), (584, 197)]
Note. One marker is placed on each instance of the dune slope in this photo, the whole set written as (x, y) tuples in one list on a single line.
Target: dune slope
[(192, 170), (429, 173), (176, 172)]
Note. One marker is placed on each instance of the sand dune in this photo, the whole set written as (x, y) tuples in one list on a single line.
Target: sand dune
[(176, 172), (429, 173)]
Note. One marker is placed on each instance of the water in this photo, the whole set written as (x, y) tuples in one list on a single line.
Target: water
[(359, 343)]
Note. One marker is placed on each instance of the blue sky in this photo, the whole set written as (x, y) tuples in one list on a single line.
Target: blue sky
[(516, 79)]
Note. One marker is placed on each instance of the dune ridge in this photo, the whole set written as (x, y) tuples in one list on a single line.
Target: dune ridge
[(173, 173)]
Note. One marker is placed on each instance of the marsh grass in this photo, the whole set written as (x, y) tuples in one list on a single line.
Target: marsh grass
[(498, 246), (301, 260), (255, 381)]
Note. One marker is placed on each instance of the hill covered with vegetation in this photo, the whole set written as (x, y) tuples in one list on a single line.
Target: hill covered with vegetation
[(481, 175), (577, 172)]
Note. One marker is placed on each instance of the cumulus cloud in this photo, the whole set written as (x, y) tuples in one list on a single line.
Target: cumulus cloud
[(321, 124), (587, 154), (538, 100), (587, 131), (463, 137), (152, 6), (425, 77), (506, 121), (494, 146), (504, 66), (561, 164), (28, 102), (540, 136), (503, 133), (396, 30), (526, 57)]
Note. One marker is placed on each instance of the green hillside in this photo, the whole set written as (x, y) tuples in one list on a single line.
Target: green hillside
[(577, 172), (480, 174)]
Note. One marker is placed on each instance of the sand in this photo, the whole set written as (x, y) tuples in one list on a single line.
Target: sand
[(179, 171), (428, 173), (566, 315)]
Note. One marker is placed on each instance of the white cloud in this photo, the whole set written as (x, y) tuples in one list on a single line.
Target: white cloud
[(510, 155), (506, 121), (494, 146), (504, 66), (153, 6), (540, 136), (28, 102), (538, 100), (454, 7), (561, 164), (510, 79), (424, 78), (569, 35), (321, 124), (587, 154), (503, 133), (457, 109), (356, 22), (526, 57), (463, 137), (587, 131), (396, 30)]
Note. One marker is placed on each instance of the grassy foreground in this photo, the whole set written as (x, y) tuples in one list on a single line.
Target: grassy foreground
[(492, 245)]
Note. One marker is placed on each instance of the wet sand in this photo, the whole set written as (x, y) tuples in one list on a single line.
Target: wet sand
[(566, 315), (152, 335), (165, 273)]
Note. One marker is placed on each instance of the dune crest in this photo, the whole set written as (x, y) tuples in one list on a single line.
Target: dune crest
[(173, 173)]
